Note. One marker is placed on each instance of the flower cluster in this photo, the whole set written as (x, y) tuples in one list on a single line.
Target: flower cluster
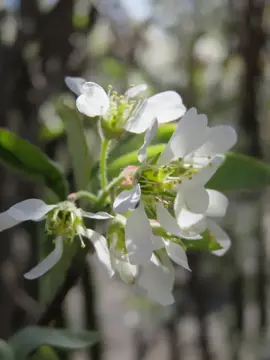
[(157, 207)]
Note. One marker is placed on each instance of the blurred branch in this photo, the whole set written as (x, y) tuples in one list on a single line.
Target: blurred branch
[(252, 43)]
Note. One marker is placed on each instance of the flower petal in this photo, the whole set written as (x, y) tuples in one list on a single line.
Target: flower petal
[(101, 215), (167, 103), (170, 224), (75, 84), (135, 90), (177, 254), (157, 242), (127, 271), (219, 140), (138, 236), (101, 247), (218, 204), (7, 222), (166, 106), (196, 199), (167, 221), (187, 137), (93, 101), (142, 119), (221, 237), (46, 264), (127, 200), (31, 209), (149, 135), (205, 174), (187, 219), (157, 279)]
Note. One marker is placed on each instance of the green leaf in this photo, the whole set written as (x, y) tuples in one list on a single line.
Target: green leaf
[(133, 142), (28, 159), (207, 243), (77, 145), (29, 339), (240, 172), (6, 352), (116, 166)]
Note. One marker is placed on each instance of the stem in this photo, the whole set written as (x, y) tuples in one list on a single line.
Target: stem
[(103, 163), (85, 195), (106, 192)]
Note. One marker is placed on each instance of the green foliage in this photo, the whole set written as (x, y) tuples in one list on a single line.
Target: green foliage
[(29, 339), (240, 172), (29, 160)]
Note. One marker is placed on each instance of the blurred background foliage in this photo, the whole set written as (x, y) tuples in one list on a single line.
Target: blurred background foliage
[(215, 53)]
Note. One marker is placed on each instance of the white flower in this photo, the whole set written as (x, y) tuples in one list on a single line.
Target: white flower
[(135, 116), (155, 277), (64, 220), (199, 149), (189, 225)]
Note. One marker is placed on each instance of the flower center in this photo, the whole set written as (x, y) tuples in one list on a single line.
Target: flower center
[(161, 180), (120, 110), (64, 220)]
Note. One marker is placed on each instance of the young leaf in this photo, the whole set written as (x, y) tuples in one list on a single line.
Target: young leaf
[(28, 159), (29, 339)]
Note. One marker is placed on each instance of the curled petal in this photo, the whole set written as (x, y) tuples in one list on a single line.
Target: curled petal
[(49, 262), (101, 215), (196, 199), (218, 204), (149, 135), (189, 134), (138, 236), (93, 101), (127, 200), (187, 220), (220, 236), (75, 84), (135, 90)]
